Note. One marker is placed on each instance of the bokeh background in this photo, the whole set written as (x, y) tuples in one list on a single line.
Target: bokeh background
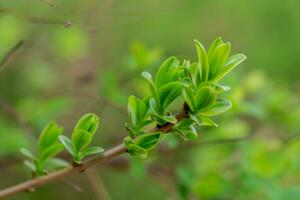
[(74, 56)]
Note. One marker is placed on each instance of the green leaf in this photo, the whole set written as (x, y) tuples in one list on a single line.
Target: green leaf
[(27, 153), (92, 150), (84, 132), (232, 62), (203, 61), (191, 133), (67, 144), (184, 122), (154, 107), (149, 78), (89, 123), (56, 163), (148, 141), (138, 151), (49, 136), (137, 111), (163, 119), (218, 41), (187, 132), (127, 141), (221, 88), (194, 74), (218, 107), (189, 98), (30, 165), (167, 72), (203, 121), (81, 139), (50, 152), (204, 96), (218, 59), (168, 93)]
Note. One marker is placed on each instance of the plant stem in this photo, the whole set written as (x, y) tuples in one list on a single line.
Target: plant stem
[(10, 54), (107, 155), (111, 153)]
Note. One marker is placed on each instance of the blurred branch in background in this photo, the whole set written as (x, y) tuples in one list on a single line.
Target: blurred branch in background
[(27, 128), (34, 19), (10, 54), (97, 184)]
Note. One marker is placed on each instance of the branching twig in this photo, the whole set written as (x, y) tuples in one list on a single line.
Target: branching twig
[(111, 153), (108, 155)]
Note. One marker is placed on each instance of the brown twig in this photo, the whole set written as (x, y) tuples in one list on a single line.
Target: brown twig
[(27, 128), (97, 185), (9, 54), (34, 19), (108, 155), (111, 153)]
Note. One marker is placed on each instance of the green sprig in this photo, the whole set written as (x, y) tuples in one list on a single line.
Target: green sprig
[(197, 83)]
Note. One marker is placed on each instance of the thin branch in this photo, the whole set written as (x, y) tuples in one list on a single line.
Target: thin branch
[(97, 185), (10, 54), (15, 116), (108, 155), (111, 153), (190, 145), (34, 19)]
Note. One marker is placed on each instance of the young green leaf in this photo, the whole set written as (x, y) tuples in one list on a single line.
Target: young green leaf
[(67, 144), (187, 131), (167, 72), (218, 59), (221, 88), (137, 111), (84, 131), (232, 63), (204, 96), (138, 151), (168, 93), (154, 107), (194, 75), (203, 61), (27, 153), (202, 121), (163, 119), (89, 123), (189, 98), (148, 141), (149, 78), (92, 150), (218, 107), (30, 165), (49, 136), (50, 152), (81, 139), (217, 42), (56, 163)]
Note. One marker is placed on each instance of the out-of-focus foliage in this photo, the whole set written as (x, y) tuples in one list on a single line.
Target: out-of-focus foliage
[(94, 64)]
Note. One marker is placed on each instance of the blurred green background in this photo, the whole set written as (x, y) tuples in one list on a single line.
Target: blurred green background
[(86, 56)]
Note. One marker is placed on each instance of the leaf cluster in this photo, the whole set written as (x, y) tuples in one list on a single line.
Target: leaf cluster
[(51, 142), (197, 83)]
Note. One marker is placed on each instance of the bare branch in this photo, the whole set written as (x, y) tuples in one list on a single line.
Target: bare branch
[(97, 185), (10, 54), (37, 20)]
